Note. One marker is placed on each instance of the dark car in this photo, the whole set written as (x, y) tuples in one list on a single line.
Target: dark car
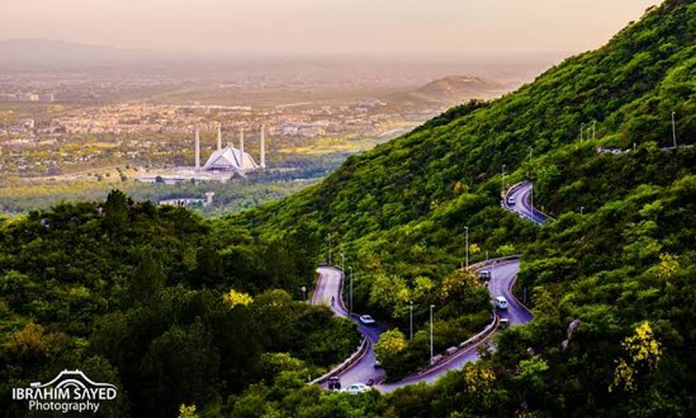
[(334, 383)]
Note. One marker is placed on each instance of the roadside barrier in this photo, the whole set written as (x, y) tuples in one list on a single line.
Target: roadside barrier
[(357, 355)]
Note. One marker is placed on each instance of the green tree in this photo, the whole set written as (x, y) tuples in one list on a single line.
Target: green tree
[(116, 211), (181, 366)]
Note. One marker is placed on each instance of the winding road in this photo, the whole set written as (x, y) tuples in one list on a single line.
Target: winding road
[(503, 274), (502, 278), (330, 284), (521, 195)]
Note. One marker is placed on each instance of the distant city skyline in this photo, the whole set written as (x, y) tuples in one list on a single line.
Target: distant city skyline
[(393, 27)]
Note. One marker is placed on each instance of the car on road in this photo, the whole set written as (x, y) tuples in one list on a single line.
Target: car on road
[(511, 200), (357, 388), (334, 384), (485, 275), (504, 323), (501, 303), (367, 320)]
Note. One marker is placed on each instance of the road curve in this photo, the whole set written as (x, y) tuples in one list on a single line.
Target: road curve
[(502, 278), (329, 287), (522, 204), (330, 284)]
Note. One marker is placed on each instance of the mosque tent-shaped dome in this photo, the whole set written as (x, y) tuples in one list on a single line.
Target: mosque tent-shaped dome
[(229, 159)]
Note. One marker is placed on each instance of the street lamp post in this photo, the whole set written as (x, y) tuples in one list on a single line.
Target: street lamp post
[(411, 322), (467, 247), (432, 348), (503, 180), (531, 192), (343, 258), (350, 294), (594, 130), (674, 130), (582, 209), (304, 293)]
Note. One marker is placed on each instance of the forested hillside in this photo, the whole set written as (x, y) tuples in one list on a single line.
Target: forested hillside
[(619, 259), (170, 308)]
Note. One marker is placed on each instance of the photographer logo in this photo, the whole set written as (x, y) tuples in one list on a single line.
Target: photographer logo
[(70, 391)]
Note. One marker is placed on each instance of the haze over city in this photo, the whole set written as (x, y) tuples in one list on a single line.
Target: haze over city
[(441, 28)]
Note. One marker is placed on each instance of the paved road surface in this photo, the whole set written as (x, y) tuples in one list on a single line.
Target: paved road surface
[(503, 275), (329, 284), (523, 206)]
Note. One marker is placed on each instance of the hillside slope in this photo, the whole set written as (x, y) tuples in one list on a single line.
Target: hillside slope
[(624, 267), (629, 87)]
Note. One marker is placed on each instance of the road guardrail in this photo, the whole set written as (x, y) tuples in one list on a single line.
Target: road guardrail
[(356, 356)]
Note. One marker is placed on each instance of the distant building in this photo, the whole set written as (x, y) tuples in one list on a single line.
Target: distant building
[(183, 202), (601, 150), (190, 201), (27, 124), (47, 98), (209, 198), (230, 158), (27, 97)]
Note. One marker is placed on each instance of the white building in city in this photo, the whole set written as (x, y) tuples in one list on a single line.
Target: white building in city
[(223, 164), (230, 158)]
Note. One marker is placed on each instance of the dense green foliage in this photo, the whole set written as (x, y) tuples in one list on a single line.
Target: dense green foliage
[(133, 294), (624, 267)]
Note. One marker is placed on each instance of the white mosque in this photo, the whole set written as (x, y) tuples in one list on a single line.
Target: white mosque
[(223, 163), (229, 158)]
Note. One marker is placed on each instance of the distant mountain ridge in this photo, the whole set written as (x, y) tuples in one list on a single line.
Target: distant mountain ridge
[(449, 90)]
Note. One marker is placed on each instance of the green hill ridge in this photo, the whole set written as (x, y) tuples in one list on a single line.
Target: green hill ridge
[(624, 267)]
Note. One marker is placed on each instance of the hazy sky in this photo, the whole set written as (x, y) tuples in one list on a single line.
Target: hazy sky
[(437, 27)]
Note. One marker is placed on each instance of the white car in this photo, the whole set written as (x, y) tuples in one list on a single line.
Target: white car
[(367, 320), (357, 388), (511, 201), (501, 303)]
